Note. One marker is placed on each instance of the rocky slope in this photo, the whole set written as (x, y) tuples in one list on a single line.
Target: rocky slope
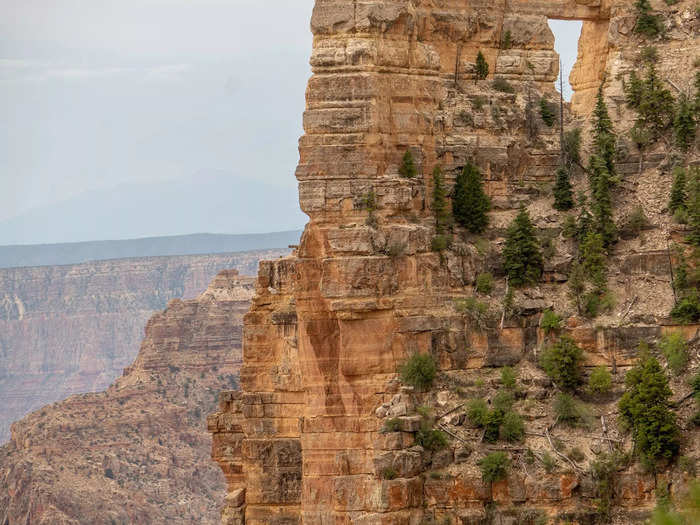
[(72, 329), (138, 452), (304, 441)]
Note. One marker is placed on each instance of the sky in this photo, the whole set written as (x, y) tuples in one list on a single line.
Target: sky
[(117, 113)]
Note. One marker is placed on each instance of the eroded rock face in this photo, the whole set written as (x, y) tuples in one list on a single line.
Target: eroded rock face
[(138, 452), (72, 329), (304, 442)]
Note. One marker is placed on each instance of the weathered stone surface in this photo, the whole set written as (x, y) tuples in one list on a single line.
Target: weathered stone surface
[(365, 290)]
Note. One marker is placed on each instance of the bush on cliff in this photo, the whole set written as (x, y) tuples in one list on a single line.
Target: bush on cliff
[(408, 167), (419, 371), (481, 69), (648, 23), (440, 207), (563, 363), (494, 467)]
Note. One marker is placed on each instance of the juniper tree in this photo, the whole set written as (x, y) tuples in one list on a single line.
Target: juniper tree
[(482, 67), (522, 258), (440, 208), (408, 167), (678, 193), (563, 194), (684, 124), (470, 203)]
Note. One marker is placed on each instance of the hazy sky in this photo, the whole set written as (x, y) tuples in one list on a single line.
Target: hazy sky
[(103, 97)]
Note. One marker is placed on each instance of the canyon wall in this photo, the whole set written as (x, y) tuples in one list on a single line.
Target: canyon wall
[(137, 452), (71, 329), (305, 440)]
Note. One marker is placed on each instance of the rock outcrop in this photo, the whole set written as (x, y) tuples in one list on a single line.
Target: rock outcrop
[(305, 440), (138, 452), (72, 329)]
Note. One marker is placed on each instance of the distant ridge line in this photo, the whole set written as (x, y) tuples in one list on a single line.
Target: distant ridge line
[(60, 254)]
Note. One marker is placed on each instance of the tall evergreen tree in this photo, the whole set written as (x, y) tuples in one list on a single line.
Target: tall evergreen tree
[(656, 106), (522, 258), (440, 207), (602, 170), (593, 260), (678, 193), (563, 194), (482, 67), (408, 168), (604, 134), (684, 124), (469, 202)]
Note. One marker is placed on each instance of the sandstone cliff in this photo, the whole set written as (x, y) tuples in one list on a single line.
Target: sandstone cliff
[(138, 452), (71, 329), (304, 441)]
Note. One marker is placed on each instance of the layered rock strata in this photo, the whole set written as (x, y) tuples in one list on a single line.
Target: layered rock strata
[(72, 329), (137, 452), (304, 441)]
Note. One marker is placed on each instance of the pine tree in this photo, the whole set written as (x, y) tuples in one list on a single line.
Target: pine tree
[(678, 193), (634, 90), (684, 125), (648, 23), (584, 221), (482, 67), (602, 170), (656, 106), (469, 201), (645, 408), (408, 167), (577, 285), (697, 92), (440, 208), (693, 205), (602, 205), (563, 195), (522, 258), (593, 260), (604, 134)]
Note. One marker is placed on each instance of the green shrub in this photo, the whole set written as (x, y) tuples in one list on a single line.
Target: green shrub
[(548, 462), (604, 470), (478, 102), (408, 168), (475, 310), (547, 112), (503, 401), (569, 411), (562, 362), (522, 258), (431, 439), (600, 380), (392, 425), (492, 426), (507, 40), (684, 125), (440, 243), (477, 412), (512, 427), (675, 351), (419, 371), (494, 467), (550, 322), (687, 310), (678, 192), (645, 409), (389, 473), (484, 283), (695, 385), (637, 221), (440, 207), (502, 85), (508, 377), (577, 454), (563, 193)]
